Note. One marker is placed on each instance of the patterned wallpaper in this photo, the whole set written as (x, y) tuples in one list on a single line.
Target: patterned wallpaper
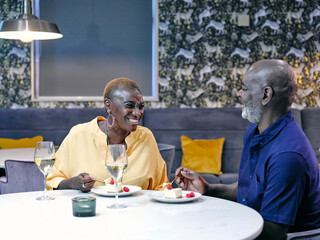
[(203, 52)]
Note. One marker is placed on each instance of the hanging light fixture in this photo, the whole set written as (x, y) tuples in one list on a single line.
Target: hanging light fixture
[(27, 27)]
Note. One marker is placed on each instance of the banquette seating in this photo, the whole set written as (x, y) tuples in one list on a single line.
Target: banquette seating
[(167, 125)]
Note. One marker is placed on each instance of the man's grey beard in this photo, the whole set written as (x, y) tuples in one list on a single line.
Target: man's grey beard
[(252, 112)]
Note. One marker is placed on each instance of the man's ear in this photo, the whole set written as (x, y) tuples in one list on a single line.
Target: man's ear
[(267, 95)]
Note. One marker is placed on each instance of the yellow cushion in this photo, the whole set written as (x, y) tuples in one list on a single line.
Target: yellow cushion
[(201, 155), (6, 143)]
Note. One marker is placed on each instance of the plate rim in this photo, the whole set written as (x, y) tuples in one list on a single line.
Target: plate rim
[(121, 194), (178, 200)]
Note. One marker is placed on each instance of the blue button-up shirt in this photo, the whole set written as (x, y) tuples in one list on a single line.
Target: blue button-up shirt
[(279, 175)]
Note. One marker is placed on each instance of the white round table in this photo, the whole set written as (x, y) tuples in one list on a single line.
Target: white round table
[(23, 217), (25, 154)]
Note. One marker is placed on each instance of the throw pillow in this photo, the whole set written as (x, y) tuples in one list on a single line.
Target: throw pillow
[(202, 155), (6, 143)]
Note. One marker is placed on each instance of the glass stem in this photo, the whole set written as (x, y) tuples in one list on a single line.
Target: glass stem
[(116, 200), (45, 186)]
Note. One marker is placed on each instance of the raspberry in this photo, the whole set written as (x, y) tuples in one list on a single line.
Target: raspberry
[(188, 195), (111, 182), (126, 189), (169, 187), (192, 194)]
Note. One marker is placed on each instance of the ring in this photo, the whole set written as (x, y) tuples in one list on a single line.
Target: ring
[(83, 186)]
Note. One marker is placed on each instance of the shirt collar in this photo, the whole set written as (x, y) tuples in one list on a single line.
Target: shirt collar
[(273, 130)]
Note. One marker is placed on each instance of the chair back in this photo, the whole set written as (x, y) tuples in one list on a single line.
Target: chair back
[(22, 176), (167, 152), (310, 235)]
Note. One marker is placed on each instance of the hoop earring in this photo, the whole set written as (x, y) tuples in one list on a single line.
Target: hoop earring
[(108, 120)]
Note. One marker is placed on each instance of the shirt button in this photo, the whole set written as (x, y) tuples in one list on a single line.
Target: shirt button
[(244, 200), (250, 176)]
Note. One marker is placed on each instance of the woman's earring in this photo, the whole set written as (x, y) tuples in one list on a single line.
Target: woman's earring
[(108, 120)]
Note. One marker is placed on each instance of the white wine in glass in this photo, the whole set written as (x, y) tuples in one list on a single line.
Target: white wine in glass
[(116, 163), (44, 157)]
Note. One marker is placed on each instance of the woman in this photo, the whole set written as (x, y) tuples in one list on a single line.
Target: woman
[(80, 160)]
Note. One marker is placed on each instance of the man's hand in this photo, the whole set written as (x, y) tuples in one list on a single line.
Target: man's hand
[(190, 180)]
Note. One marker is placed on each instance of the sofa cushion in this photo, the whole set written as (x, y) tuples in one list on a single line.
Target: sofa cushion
[(6, 143), (310, 124), (210, 178), (202, 155), (53, 124), (228, 178), (169, 124)]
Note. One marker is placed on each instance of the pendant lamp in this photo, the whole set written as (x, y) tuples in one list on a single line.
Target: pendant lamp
[(27, 27)]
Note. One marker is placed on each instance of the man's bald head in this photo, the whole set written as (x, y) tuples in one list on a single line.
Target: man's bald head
[(278, 75)]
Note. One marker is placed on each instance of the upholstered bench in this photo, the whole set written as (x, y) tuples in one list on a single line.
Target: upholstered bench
[(167, 125)]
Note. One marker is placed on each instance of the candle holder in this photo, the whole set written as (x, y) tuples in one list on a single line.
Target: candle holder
[(84, 206)]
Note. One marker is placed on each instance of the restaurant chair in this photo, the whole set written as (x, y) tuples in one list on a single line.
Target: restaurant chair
[(22, 176), (310, 235), (167, 152)]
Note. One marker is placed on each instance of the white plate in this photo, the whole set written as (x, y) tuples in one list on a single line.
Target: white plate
[(101, 190), (159, 196)]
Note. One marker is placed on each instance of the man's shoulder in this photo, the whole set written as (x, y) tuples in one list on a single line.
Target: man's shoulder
[(292, 141)]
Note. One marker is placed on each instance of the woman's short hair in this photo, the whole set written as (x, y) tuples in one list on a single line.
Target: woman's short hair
[(116, 84)]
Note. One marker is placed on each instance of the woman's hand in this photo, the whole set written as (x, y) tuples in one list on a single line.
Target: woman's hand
[(190, 180), (83, 182)]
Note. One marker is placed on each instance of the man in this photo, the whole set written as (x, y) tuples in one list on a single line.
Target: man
[(279, 174)]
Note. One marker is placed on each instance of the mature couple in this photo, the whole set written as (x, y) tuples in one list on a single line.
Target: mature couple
[(278, 176)]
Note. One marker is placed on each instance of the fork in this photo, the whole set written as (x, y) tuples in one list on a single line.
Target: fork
[(169, 183)]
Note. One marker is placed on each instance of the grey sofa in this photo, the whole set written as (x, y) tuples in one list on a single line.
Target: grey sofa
[(167, 126), (54, 125), (210, 123)]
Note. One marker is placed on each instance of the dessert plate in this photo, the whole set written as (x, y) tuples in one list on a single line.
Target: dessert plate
[(159, 196), (101, 190)]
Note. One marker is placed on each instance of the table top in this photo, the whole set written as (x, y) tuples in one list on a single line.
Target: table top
[(23, 217), (25, 154)]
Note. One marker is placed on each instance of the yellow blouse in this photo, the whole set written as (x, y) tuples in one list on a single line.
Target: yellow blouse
[(84, 150)]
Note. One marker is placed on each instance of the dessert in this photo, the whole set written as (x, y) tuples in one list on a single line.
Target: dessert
[(190, 195), (110, 186), (173, 193), (112, 189), (165, 184)]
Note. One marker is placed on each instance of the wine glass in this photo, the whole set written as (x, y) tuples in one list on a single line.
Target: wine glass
[(44, 157), (116, 163)]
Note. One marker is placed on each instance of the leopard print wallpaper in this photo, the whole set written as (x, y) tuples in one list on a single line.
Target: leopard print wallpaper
[(204, 52)]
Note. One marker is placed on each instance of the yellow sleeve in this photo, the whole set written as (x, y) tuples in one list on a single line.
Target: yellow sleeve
[(57, 174), (82, 151), (160, 176), (146, 168)]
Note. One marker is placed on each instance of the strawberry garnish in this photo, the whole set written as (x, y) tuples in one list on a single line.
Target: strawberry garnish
[(169, 187), (192, 194), (126, 189), (188, 195), (111, 182)]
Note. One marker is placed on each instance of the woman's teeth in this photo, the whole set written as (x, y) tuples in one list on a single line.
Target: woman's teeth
[(133, 120)]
